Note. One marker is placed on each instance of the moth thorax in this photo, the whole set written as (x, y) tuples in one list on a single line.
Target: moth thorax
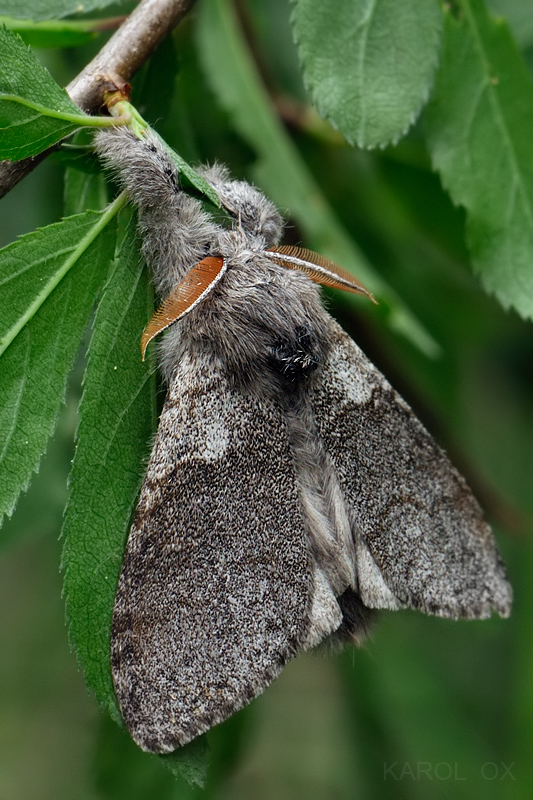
[(296, 356)]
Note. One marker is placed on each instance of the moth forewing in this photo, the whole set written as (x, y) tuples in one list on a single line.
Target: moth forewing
[(290, 489), (217, 586), (420, 533)]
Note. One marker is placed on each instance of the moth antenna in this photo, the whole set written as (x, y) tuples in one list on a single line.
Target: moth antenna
[(319, 268), (189, 292)]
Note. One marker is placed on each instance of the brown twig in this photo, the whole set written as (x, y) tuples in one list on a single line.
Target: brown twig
[(122, 55)]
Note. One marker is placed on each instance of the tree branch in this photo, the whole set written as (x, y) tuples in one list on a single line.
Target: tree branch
[(122, 55)]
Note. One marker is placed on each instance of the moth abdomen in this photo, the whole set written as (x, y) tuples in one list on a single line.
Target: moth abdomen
[(357, 621)]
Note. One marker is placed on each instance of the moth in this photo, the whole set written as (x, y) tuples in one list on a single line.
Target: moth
[(290, 491)]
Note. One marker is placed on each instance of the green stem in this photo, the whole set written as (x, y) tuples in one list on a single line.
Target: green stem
[(77, 119), (123, 110)]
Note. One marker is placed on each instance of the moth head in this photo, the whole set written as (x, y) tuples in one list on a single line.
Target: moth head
[(203, 277)]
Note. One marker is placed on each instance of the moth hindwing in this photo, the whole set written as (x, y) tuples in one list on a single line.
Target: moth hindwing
[(290, 491)]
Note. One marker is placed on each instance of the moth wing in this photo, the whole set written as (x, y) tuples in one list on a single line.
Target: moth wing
[(420, 536), (217, 589)]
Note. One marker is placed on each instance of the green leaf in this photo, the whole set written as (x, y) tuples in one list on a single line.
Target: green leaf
[(35, 112), (48, 284), (116, 422), (368, 65), (52, 33), (518, 15), (280, 170), (27, 94), (479, 131), (122, 771), (85, 186), (193, 179), (191, 762), (84, 191), (191, 176), (50, 9), (39, 512)]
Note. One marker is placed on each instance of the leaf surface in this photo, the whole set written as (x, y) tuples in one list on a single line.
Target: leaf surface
[(479, 130), (53, 33), (50, 9), (35, 112), (368, 64), (49, 281), (116, 423)]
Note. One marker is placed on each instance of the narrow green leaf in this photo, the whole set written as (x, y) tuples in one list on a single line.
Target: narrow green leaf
[(280, 170), (39, 512), (479, 130), (48, 284), (139, 126), (116, 422), (368, 64), (50, 9), (52, 33), (195, 180), (191, 176)]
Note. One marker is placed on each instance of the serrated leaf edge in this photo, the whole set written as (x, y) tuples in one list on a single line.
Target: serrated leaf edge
[(81, 247), (360, 142)]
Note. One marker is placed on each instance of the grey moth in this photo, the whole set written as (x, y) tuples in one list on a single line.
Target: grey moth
[(290, 490)]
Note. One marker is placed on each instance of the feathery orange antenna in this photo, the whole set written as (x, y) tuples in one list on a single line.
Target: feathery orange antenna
[(190, 291), (319, 268)]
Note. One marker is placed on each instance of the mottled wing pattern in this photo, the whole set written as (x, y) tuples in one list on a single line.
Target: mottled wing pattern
[(215, 592), (421, 539)]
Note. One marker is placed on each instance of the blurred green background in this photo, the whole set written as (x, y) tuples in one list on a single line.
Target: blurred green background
[(429, 708)]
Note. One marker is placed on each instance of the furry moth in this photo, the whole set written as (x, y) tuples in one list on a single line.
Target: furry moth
[(290, 490)]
